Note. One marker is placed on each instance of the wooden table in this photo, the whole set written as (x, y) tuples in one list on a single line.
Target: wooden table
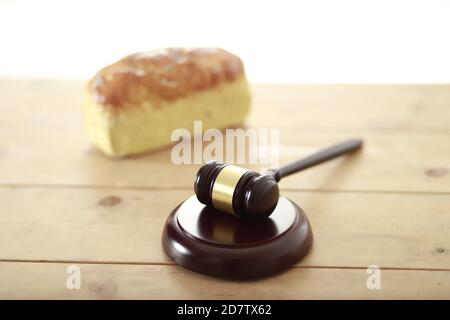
[(63, 203)]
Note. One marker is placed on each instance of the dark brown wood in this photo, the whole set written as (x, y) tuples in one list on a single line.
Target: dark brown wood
[(317, 158), (255, 195), (208, 241)]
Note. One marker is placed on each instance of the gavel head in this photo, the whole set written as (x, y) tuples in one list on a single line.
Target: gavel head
[(236, 190)]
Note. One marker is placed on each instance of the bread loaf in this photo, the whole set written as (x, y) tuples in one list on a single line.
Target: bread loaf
[(133, 105)]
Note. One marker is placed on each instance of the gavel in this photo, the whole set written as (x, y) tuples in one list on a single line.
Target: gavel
[(251, 195)]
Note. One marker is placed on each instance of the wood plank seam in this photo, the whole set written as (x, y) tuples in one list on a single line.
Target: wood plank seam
[(183, 188), (131, 263)]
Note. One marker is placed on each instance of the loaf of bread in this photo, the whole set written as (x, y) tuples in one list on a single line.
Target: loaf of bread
[(133, 105)]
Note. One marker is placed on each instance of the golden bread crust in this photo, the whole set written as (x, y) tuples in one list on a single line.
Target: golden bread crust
[(165, 74)]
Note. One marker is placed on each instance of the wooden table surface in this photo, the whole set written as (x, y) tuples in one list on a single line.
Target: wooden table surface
[(63, 203)]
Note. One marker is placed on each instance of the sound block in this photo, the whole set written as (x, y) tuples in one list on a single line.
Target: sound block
[(211, 242)]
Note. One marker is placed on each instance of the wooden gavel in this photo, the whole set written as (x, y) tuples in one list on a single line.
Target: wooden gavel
[(252, 195)]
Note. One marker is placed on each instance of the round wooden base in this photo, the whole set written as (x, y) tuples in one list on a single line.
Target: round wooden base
[(208, 241)]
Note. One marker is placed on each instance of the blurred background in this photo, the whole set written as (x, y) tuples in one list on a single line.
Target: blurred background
[(280, 41)]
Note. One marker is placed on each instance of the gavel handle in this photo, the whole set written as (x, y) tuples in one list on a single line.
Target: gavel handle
[(317, 158)]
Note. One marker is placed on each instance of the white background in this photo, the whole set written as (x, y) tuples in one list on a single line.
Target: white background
[(279, 41)]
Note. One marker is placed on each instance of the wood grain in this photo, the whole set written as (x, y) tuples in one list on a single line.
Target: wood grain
[(388, 162), (363, 107), (117, 225), (62, 202), (44, 142), (37, 281)]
